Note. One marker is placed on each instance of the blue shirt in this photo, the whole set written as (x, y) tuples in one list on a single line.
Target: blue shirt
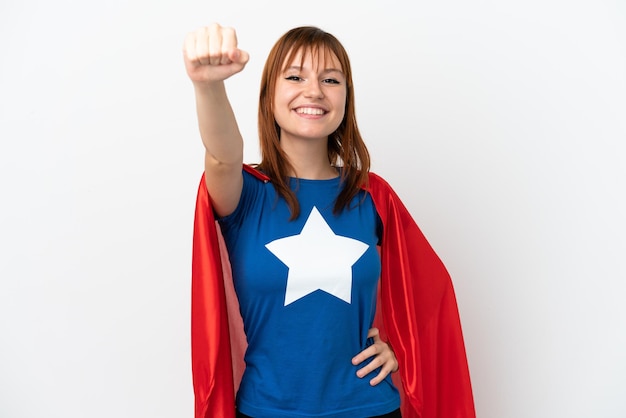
[(307, 294)]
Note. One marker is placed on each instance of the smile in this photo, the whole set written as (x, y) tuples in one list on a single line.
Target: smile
[(310, 111)]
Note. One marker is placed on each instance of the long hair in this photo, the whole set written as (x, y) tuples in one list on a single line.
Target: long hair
[(345, 146)]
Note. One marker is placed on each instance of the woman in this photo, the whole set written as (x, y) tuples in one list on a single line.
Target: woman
[(303, 232)]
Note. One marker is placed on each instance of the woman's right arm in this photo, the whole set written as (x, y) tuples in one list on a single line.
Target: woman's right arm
[(211, 56)]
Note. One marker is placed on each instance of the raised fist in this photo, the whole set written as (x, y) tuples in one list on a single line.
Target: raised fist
[(211, 54)]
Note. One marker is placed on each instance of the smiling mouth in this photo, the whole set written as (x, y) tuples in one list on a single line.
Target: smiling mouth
[(310, 111)]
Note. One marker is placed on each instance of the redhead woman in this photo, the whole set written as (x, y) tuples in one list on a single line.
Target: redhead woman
[(313, 288)]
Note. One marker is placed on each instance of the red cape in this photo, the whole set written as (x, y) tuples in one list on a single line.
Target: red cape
[(417, 314)]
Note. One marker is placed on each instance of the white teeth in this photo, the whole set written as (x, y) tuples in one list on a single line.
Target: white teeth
[(310, 111)]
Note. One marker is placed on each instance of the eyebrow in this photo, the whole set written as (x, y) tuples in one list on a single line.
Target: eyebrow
[(325, 71)]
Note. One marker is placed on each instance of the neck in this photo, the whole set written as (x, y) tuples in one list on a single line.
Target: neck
[(309, 159), (311, 172)]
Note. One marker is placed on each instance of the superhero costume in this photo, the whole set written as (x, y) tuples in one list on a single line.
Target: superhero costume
[(417, 314)]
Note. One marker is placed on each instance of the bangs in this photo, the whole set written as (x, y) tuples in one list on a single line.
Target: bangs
[(321, 53), (322, 46)]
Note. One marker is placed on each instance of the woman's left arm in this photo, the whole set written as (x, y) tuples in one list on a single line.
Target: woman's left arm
[(384, 358)]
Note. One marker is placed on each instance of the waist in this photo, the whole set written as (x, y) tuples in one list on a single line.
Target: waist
[(393, 414)]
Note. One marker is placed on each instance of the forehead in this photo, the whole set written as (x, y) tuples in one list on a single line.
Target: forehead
[(317, 57)]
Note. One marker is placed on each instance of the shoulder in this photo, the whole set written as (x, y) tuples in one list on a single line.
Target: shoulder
[(377, 184), (253, 172), (385, 199), (254, 192)]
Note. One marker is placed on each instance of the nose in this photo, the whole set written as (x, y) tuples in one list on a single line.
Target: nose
[(314, 90)]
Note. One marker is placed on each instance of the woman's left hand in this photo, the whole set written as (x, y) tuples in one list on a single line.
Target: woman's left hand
[(384, 358)]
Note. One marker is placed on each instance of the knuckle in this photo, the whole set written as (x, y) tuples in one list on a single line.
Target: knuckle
[(228, 31)]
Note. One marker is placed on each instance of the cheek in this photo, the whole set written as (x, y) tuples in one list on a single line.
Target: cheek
[(282, 100), (342, 103), (280, 110), (343, 98)]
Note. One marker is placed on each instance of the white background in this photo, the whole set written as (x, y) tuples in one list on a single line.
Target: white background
[(501, 124)]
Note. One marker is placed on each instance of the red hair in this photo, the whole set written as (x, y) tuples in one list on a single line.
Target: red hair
[(345, 146)]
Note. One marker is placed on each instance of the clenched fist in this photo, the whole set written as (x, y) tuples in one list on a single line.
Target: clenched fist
[(211, 54)]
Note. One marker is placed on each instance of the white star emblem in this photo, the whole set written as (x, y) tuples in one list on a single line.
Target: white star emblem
[(318, 260)]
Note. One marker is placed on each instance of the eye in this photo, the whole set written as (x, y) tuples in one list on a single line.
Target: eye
[(331, 81), (293, 78)]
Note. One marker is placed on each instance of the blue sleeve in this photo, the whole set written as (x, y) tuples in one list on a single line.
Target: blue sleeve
[(250, 197)]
